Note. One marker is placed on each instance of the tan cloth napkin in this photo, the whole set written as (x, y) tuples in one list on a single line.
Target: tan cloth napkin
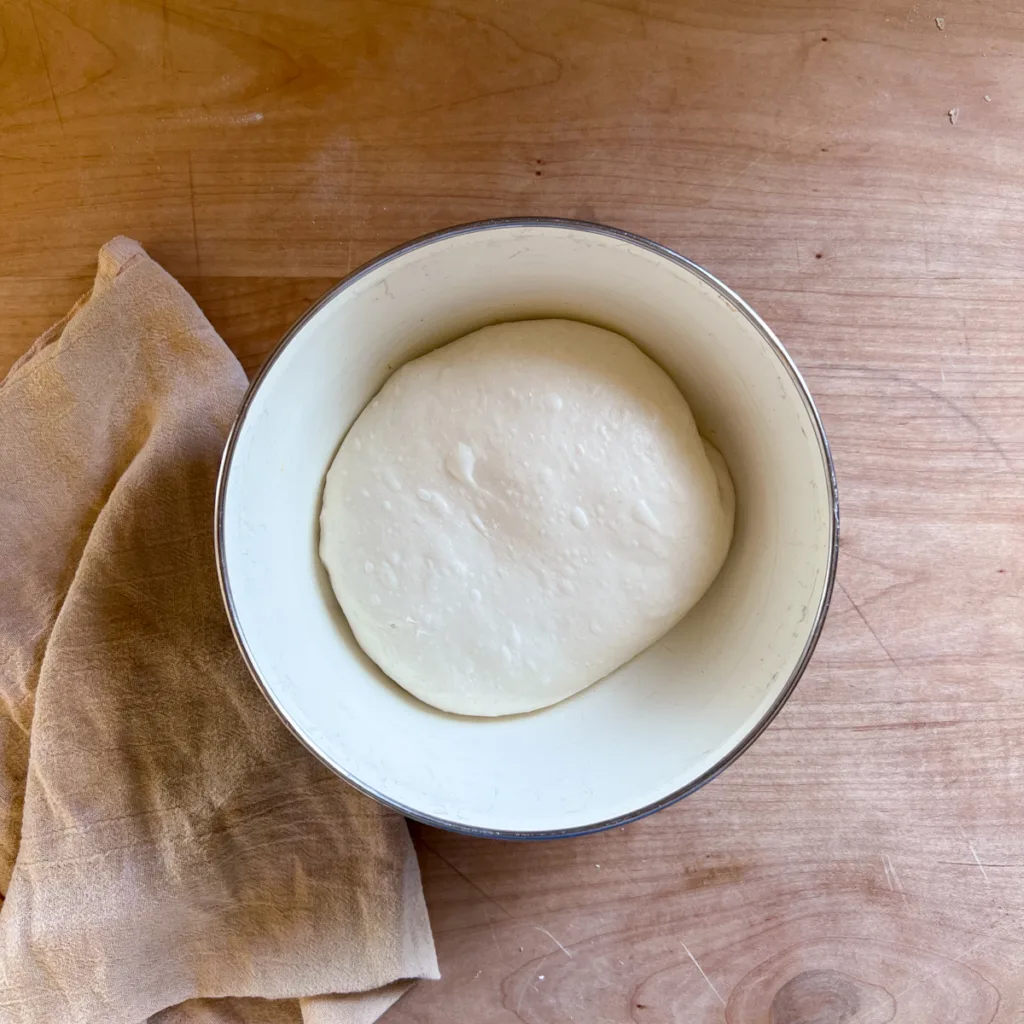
[(164, 842)]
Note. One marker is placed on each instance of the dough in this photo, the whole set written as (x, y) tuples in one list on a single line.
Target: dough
[(518, 513)]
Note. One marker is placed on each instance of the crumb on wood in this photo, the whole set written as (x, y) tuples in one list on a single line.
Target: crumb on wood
[(988, 99), (954, 115), (940, 23)]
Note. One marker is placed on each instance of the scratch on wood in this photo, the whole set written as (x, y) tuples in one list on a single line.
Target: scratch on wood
[(953, 406), (554, 940), (981, 867), (896, 996), (519, 1001), (165, 29), (469, 881), (351, 202), (893, 878), (871, 629), (888, 873), (718, 995), (751, 165), (46, 68), (736, 177), (192, 206), (532, 985)]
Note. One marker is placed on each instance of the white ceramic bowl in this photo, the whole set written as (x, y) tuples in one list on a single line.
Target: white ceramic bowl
[(660, 726)]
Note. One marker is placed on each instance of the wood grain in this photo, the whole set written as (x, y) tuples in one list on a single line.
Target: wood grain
[(864, 862)]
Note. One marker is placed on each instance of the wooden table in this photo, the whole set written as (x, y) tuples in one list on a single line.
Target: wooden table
[(856, 171)]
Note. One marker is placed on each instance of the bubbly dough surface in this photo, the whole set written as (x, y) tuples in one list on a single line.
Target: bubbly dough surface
[(518, 513)]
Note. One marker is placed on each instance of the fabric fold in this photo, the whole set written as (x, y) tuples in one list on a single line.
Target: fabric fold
[(169, 852)]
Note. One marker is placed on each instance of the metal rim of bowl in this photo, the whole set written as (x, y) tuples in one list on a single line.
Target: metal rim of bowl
[(768, 337)]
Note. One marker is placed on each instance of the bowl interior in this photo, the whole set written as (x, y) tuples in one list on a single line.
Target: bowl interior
[(657, 725)]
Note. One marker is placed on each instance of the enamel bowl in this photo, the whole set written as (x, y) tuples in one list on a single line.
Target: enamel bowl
[(660, 726)]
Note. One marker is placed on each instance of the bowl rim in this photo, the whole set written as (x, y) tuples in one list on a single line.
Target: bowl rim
[(767, 335)]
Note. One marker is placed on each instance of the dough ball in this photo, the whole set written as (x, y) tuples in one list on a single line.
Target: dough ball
[(518, 513)]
